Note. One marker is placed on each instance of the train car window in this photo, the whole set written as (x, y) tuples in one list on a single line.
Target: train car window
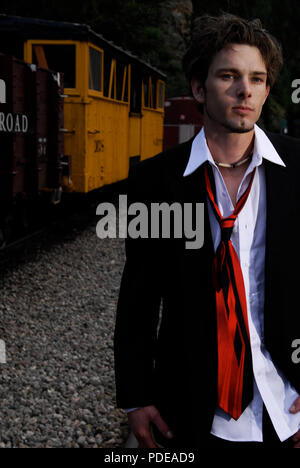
[(112, 92), (153, 94), (58, 57), (106, 74), (115, 79), (95, 72), (122, 82), (149, 92), (136, 92), (146, 92), (160, 94)]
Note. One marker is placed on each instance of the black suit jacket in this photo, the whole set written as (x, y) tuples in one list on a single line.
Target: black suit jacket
[(176, 368)]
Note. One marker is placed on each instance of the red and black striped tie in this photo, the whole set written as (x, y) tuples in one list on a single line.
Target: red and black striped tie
[(235, 373)]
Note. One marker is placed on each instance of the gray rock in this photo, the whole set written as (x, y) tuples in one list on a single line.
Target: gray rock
[(57, 312)]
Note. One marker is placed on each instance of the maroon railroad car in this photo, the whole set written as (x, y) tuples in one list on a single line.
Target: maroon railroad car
[(182, 120), (31, 141)]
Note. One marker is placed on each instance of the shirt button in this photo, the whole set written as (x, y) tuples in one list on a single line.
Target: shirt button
[(252, 297)]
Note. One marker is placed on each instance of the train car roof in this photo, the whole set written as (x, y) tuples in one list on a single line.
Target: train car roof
[(34, 28)]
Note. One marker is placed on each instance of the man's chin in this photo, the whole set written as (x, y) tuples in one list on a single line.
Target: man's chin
[(239, 128)]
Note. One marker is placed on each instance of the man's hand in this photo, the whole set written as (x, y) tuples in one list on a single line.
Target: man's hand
[(295, 408), (140, 421)]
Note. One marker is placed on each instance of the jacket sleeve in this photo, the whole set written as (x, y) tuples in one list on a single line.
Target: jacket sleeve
[(138, 309)]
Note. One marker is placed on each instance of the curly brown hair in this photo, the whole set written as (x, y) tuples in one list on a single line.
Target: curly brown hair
[(212, 33)]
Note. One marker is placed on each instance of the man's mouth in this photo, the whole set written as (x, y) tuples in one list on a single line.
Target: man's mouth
[(242, 109)]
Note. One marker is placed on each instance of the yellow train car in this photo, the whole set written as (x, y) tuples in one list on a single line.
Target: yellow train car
[(113, 102)]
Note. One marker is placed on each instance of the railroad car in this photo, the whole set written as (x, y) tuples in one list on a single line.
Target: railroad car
[(182, 121), (74, 116), (114, 102), (31, 114)]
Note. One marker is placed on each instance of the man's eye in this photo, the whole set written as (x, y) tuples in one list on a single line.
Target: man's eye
[(227, 76), (257, 80)]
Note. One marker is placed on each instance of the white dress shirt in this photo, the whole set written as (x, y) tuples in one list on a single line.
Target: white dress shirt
[(248, 238)]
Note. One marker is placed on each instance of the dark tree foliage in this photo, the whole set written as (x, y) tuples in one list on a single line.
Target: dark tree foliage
[(139, 26), (132, 24)]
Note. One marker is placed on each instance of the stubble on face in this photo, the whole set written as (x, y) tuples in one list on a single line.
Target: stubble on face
[(231, 127), (222, 94)]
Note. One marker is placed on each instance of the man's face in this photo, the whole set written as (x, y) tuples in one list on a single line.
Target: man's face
[(235, 89)]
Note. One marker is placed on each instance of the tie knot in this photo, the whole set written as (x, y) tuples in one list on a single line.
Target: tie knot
[(227, 222), (226, 225), (226, 233)]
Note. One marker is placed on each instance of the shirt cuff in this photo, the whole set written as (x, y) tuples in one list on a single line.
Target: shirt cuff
[(130, 409)]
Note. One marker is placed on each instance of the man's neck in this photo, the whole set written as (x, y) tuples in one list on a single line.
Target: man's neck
[(229, 148)]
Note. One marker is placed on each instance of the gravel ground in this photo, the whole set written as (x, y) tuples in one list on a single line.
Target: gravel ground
[(57, 311)]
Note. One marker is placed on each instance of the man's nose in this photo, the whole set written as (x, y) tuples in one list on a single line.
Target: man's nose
[(244, 88)]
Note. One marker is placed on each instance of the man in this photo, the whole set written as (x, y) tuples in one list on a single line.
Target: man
[(218, 370)]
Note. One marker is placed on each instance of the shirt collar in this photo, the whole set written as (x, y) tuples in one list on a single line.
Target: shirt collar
[(263, 148)]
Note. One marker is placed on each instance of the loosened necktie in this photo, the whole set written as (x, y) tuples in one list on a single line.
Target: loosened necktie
[(235, 373)]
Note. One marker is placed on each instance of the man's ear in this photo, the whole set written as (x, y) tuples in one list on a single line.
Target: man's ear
[(198, 90), (267, 92)]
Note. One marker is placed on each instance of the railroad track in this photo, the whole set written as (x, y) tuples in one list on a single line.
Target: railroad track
[(21, 240)]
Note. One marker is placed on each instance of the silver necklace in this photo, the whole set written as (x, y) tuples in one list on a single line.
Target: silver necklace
[(235, 164)]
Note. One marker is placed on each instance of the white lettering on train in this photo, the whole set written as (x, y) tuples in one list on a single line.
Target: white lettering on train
[(13, 123), (2, 92)]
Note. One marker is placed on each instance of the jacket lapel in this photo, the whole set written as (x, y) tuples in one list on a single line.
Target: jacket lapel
[(194, 191), (192, 265), (279, 193), (189, 189)]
